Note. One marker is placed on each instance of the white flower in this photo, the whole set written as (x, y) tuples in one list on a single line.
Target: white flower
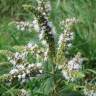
[(61, 38), (71, 33), (13, 62), (46, 53), (24, 54), (41, 35), (94, 94), (28, 71), (90, 92), (72, 65), (18, 27), (29, 45), (35, 25), (26, 23), (40, 71), (19, 77), (39, 64), (65, 38), (22, 22), (48, 6), (69, 45), (75, 63), (68, 39), (65, 74), (44, 42), (22, 28), (23, 76), (71, 20), (60, 66), (13, 71), (24, 93), (31, 65), (23, 81), (17, 54), (20, 67), (30, 25)]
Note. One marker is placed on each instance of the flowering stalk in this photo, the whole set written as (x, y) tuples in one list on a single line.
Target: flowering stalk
[(45, 26), (65, 41), (90, 90), (21, 73), (49, 37), (22, 70)]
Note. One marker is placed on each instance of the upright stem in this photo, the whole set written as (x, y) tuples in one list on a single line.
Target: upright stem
[(49, 37)]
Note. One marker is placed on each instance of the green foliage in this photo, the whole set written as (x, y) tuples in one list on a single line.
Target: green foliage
[(84, 42)]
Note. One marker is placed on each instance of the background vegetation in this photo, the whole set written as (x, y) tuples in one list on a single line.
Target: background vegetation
[(84, 42)]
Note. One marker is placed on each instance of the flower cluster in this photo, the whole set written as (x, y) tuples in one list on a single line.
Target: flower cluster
[(69, 22), (46, 30), (44, 7), (35, 25), (72, 66), (90, 93), (24, 25), (25, 72), (66, 24), (67, 36), (75, 63), (18, 58), (40, 53), (32, 47), (65, 40), (28, 63), (27, 26), (90, 90), (23, 92), (22, 70), (43, 29)]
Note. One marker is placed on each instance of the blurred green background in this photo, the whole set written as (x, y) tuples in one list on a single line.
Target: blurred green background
[(84, 41), (85, 31)]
